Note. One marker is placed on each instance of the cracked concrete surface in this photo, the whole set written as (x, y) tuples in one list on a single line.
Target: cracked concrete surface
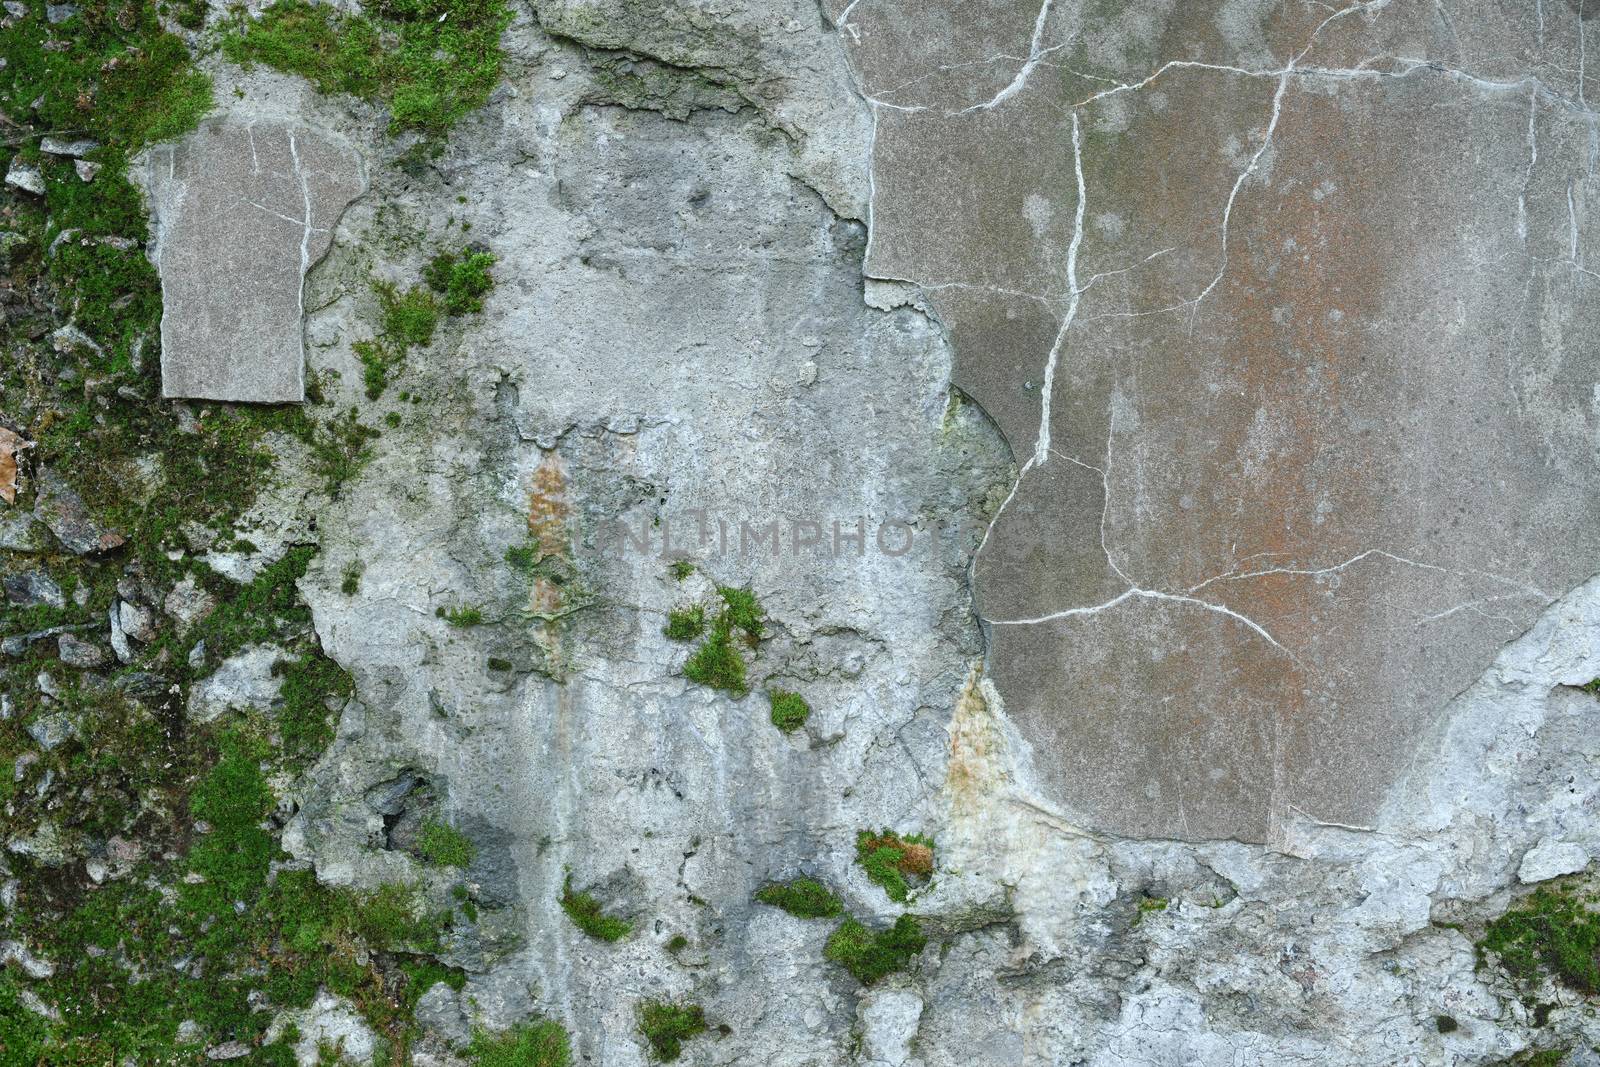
[(1297, 552), (1281, 309), (241, 210)]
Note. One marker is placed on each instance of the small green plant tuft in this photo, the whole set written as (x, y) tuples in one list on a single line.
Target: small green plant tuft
[(891, 859), (1554, 931), (666, 1026), (461, 280), (680, 569), (789, 710), (803, 897), (716, 663), (524, 557), (540, 1044), (686, 624), (871, 956), (442, 845), (462, 617), (677, 943), (743, 611), (1147, 906), (586, 914)]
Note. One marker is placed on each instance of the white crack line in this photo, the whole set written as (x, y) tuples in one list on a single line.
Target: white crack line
[(1041, 448), (1034, 55), (1533, 160), (1523, 589), (844, 21), (1150, 594)]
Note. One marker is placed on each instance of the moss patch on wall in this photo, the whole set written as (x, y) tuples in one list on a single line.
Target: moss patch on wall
[(429, 61)]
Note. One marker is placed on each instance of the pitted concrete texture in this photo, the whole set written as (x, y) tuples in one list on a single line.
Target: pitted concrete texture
[(243, 208), (1285, 312)]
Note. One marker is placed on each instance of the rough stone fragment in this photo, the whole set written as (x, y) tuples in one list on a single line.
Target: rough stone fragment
[(243, 208), (86, 170), (57, 146), (51, 730), (136, 620), (330, 1021), (76, 652), (21, 533), (188, 602), (25, 176), (31, 587), (245, 680), (1551, 859), (439, 1010), (63, 511)]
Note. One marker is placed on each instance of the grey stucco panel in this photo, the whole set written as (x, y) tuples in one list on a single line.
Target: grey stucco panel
[(243, 208)]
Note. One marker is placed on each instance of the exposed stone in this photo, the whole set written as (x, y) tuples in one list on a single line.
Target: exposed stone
[(17, 952), (242, 210), (86, 170), (889, 1019), (63, 511), (51, 730), (76, 652), (136, 621), (32, 587), (21, 532), (188, 602), (228, 1050), (1551, 859), (439, 1010), (57, 146), (330, 1021), (25, 176), (244, 680)]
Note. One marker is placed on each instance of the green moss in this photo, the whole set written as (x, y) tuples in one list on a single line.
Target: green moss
[(889, 859), (462, 281), (686, 624), (495, 663), (803, 897), (716, 663), (442, 845), (523, 558), (1554, 932), (870, 956), (351, 583), (743, 611), (680, 569), (463, 617), (1148, 905), (310, 685), (430, 61), (340, 449), (789, 710), (540, 1044), (677, 943), (586, 914), (667, 1025)]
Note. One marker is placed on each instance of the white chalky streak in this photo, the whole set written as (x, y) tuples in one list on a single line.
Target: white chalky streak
[(1041, 448), (1035, 53)]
